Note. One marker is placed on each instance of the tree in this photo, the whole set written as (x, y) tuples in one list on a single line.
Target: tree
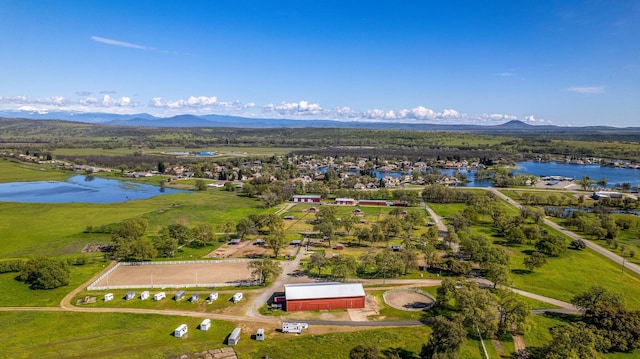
[(245, 226), (201, 235), (227, 227), (362, 351), (409, 257), (265, 270), (535, 260), (180, 232), (276, 241), (326, 230), (343, 266), (512, 311), (45, 273), (364, 234), (497, 273), (585, 182), (274, 222), (445, 340), (552, 245), (571, 342), (348, 222), (201, 185), (595, 296), (318, 260), (128, 242), (165, 244), (577, 244)]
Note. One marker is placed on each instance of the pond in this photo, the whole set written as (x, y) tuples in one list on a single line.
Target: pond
[(81, 189)]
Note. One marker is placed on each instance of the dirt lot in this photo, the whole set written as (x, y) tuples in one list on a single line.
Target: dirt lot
[(408, 299), (158, 275), (246, 249)]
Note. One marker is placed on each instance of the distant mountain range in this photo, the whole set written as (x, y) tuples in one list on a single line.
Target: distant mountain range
[(147, 120)]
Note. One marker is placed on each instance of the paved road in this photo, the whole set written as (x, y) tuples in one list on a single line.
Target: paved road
[(601, 250)]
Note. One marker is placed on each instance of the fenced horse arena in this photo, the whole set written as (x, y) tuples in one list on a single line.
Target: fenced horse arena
[(179, 274)]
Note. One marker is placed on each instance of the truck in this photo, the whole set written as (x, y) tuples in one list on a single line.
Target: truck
[(288, 327)]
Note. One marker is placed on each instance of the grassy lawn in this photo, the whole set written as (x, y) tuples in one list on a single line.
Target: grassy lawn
[(169, 303), (19, 172), (336, 345), (26, 226), (103, 335), (18, 294), (561, 277)]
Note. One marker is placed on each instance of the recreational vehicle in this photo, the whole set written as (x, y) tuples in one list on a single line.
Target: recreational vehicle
[(180, 331)]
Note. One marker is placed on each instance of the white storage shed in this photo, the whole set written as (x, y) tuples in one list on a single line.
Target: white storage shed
[(108, 297), (206, 324), (213, 296), (180, 331), (159, 296), (260, 334), (144, 295), (234, 337), (236, 297)]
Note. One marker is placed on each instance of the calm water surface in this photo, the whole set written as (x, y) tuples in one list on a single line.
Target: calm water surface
[(81, 189)]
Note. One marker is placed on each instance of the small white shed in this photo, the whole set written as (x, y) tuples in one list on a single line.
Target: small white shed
[(206, 324), (236, 297), (159, 296), (179, 295), (144, 295), (108, 297), (180, 331), (213, 296), (130, 295), (234, 337), (260, 334), (194, 297)]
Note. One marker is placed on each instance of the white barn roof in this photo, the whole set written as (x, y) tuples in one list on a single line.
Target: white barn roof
[(323, 290)]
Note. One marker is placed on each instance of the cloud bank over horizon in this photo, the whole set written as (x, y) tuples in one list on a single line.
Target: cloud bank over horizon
[(208, 105)]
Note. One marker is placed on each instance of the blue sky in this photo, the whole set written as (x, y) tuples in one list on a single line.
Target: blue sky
[(560, 62)]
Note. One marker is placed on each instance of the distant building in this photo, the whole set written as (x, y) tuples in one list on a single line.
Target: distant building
[(306, 199), (606, 194), (346, 201)]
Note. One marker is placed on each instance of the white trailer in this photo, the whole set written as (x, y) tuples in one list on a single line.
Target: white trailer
[(236, 297), (234, 337), (205, 325), (288, 327), (130, 295), (260, 334), (180, 331), (108, 297), (159, 296), (213, 296), (144, 295), (179, 296)]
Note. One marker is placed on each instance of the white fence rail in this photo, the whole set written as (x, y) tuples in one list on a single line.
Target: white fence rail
[(94, 286)]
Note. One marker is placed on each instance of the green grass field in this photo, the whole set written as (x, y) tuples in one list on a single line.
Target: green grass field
[(562, 277), (18, 294)]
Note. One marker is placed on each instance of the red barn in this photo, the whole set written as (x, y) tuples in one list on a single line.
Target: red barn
[(346, 201), (306, 199), (323, 296), (373, 202)]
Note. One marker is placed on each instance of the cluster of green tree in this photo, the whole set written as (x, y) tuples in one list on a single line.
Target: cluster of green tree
[(606, 326), (462, 309), (503, 177), (45, 273), (11, 265), (265, 270), (438, 193)]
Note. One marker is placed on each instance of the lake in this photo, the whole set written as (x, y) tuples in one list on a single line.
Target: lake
[(82, 189), (615, 176)]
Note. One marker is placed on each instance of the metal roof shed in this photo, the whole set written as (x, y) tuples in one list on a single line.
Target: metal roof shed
[(322, 296)]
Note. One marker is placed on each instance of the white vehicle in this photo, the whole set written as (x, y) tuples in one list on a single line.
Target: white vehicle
[(159, 296), (108, 297), (297, 328)]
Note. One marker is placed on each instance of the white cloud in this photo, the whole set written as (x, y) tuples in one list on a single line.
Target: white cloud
[(590, 90), (301, 110), (120, 43), (504, 74)]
